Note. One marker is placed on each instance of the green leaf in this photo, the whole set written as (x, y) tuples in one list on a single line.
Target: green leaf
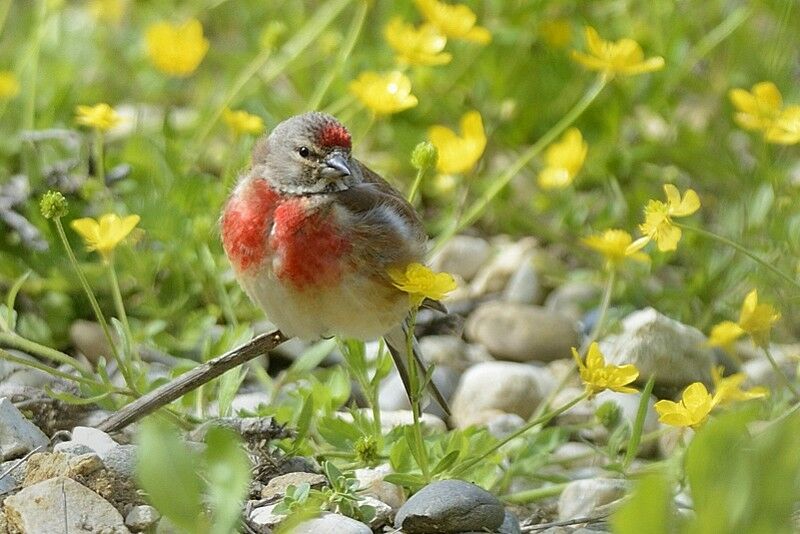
[(11, 299), (446, 462), (312, 357), (228, 475), (406, 480), (168, 471), (229, 384), (69, 398), (649, 509), (638, 424), (338, 433), (303, 422)]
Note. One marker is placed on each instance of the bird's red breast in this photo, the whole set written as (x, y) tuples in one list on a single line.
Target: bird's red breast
[(260, 224)]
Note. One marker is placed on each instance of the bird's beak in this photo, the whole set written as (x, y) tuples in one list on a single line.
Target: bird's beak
[(337, 165)]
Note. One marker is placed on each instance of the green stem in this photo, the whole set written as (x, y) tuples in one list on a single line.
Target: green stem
[(413, 378), (16, 341), (99, 160), (775, 367), (29, 104), (601, 317), (517, 433), (740, 248), (119, 305), (536, 494), (5, 355), (479, 206), (347, 48), (98, 313), (417, 181)]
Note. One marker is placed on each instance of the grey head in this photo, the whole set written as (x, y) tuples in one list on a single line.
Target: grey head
[(307, 154)]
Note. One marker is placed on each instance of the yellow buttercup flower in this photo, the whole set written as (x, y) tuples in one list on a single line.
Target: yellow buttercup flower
[(614, 246), (242, 122), (786, 128), (623, 57), (724, 334), (105, 234), (416, 46), (692, 410), (459, 153), (729, 389), (657, 225), (100, 116), (9, 85), (108, 11), (420, 282), (757, 319), (384, 93), (176, 50), (598, 376), (456, 21), (757, 109), (563, 160)]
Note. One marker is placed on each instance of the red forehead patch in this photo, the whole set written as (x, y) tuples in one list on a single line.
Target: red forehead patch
[(333, 134)]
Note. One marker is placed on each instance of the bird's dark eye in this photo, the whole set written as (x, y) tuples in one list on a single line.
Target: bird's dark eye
[(304, 151)]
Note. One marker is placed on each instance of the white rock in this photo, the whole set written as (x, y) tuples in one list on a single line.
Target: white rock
[(393, 396), (383, 512), (463, 255), (523, 287), (328, 522), (675, 353), (371, 483), (265, 516), (494, 276), (582, 497), (452, 352), (510, 387), (71, 448), (572, 299), (522, 332), (277, 486), (18, 436), (141, 518), (95, 439), (62, 505)]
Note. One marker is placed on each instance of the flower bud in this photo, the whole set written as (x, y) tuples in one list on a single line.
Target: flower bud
[(424, 156), (53, 205), (609, 414)]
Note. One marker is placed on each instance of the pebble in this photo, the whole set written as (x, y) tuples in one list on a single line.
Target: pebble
[(463, 255), (95, 439), (18, 436), (452, 352), (121, 460), (276, 488), (494, 275), (524, 287), (70, 448), (328, 522), (450, 506), (21, 375), (572, 299), (89, 339), (392, 395), (62, 505), (522, 332), (371, 483), (265, 517), (582, 497), (509, 387), (676, 354), (141, 518), (383, 513)]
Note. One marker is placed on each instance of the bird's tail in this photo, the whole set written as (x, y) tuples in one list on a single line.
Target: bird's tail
[(396, 342)]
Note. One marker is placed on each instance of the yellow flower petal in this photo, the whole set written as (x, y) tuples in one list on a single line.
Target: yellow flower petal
[(615, 246), (623, 57), (693, 409), (757, 319), (459, 154), (757, 109), (100, 116), (563, 160), (384, 93), (724, 334), (241, 122), (597, 375), (785, 130), (728, 389), (420, 282), (104, 235), (176, 50), (456, 21), (416, 46)]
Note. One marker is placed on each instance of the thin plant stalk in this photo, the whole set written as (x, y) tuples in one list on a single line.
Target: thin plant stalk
[(785, 379), (413, 378), (14, 340), (520, 431), (740, 248), (119, 305), (95, 306), (417, 181), (536, 494), (474, 212), (601, 317)]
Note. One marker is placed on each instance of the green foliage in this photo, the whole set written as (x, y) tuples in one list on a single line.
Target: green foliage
[(197, 491)]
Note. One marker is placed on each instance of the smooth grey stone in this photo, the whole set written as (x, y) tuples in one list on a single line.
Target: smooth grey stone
[(463, 255), (450, 506), (582, 497), (522, 332), (71, 448), (95, 439), (675, 353), (141, 518), (121, 460), (328, 522), (18, 436)]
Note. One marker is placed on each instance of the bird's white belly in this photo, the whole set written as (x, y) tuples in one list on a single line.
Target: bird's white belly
[(357, 307)]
